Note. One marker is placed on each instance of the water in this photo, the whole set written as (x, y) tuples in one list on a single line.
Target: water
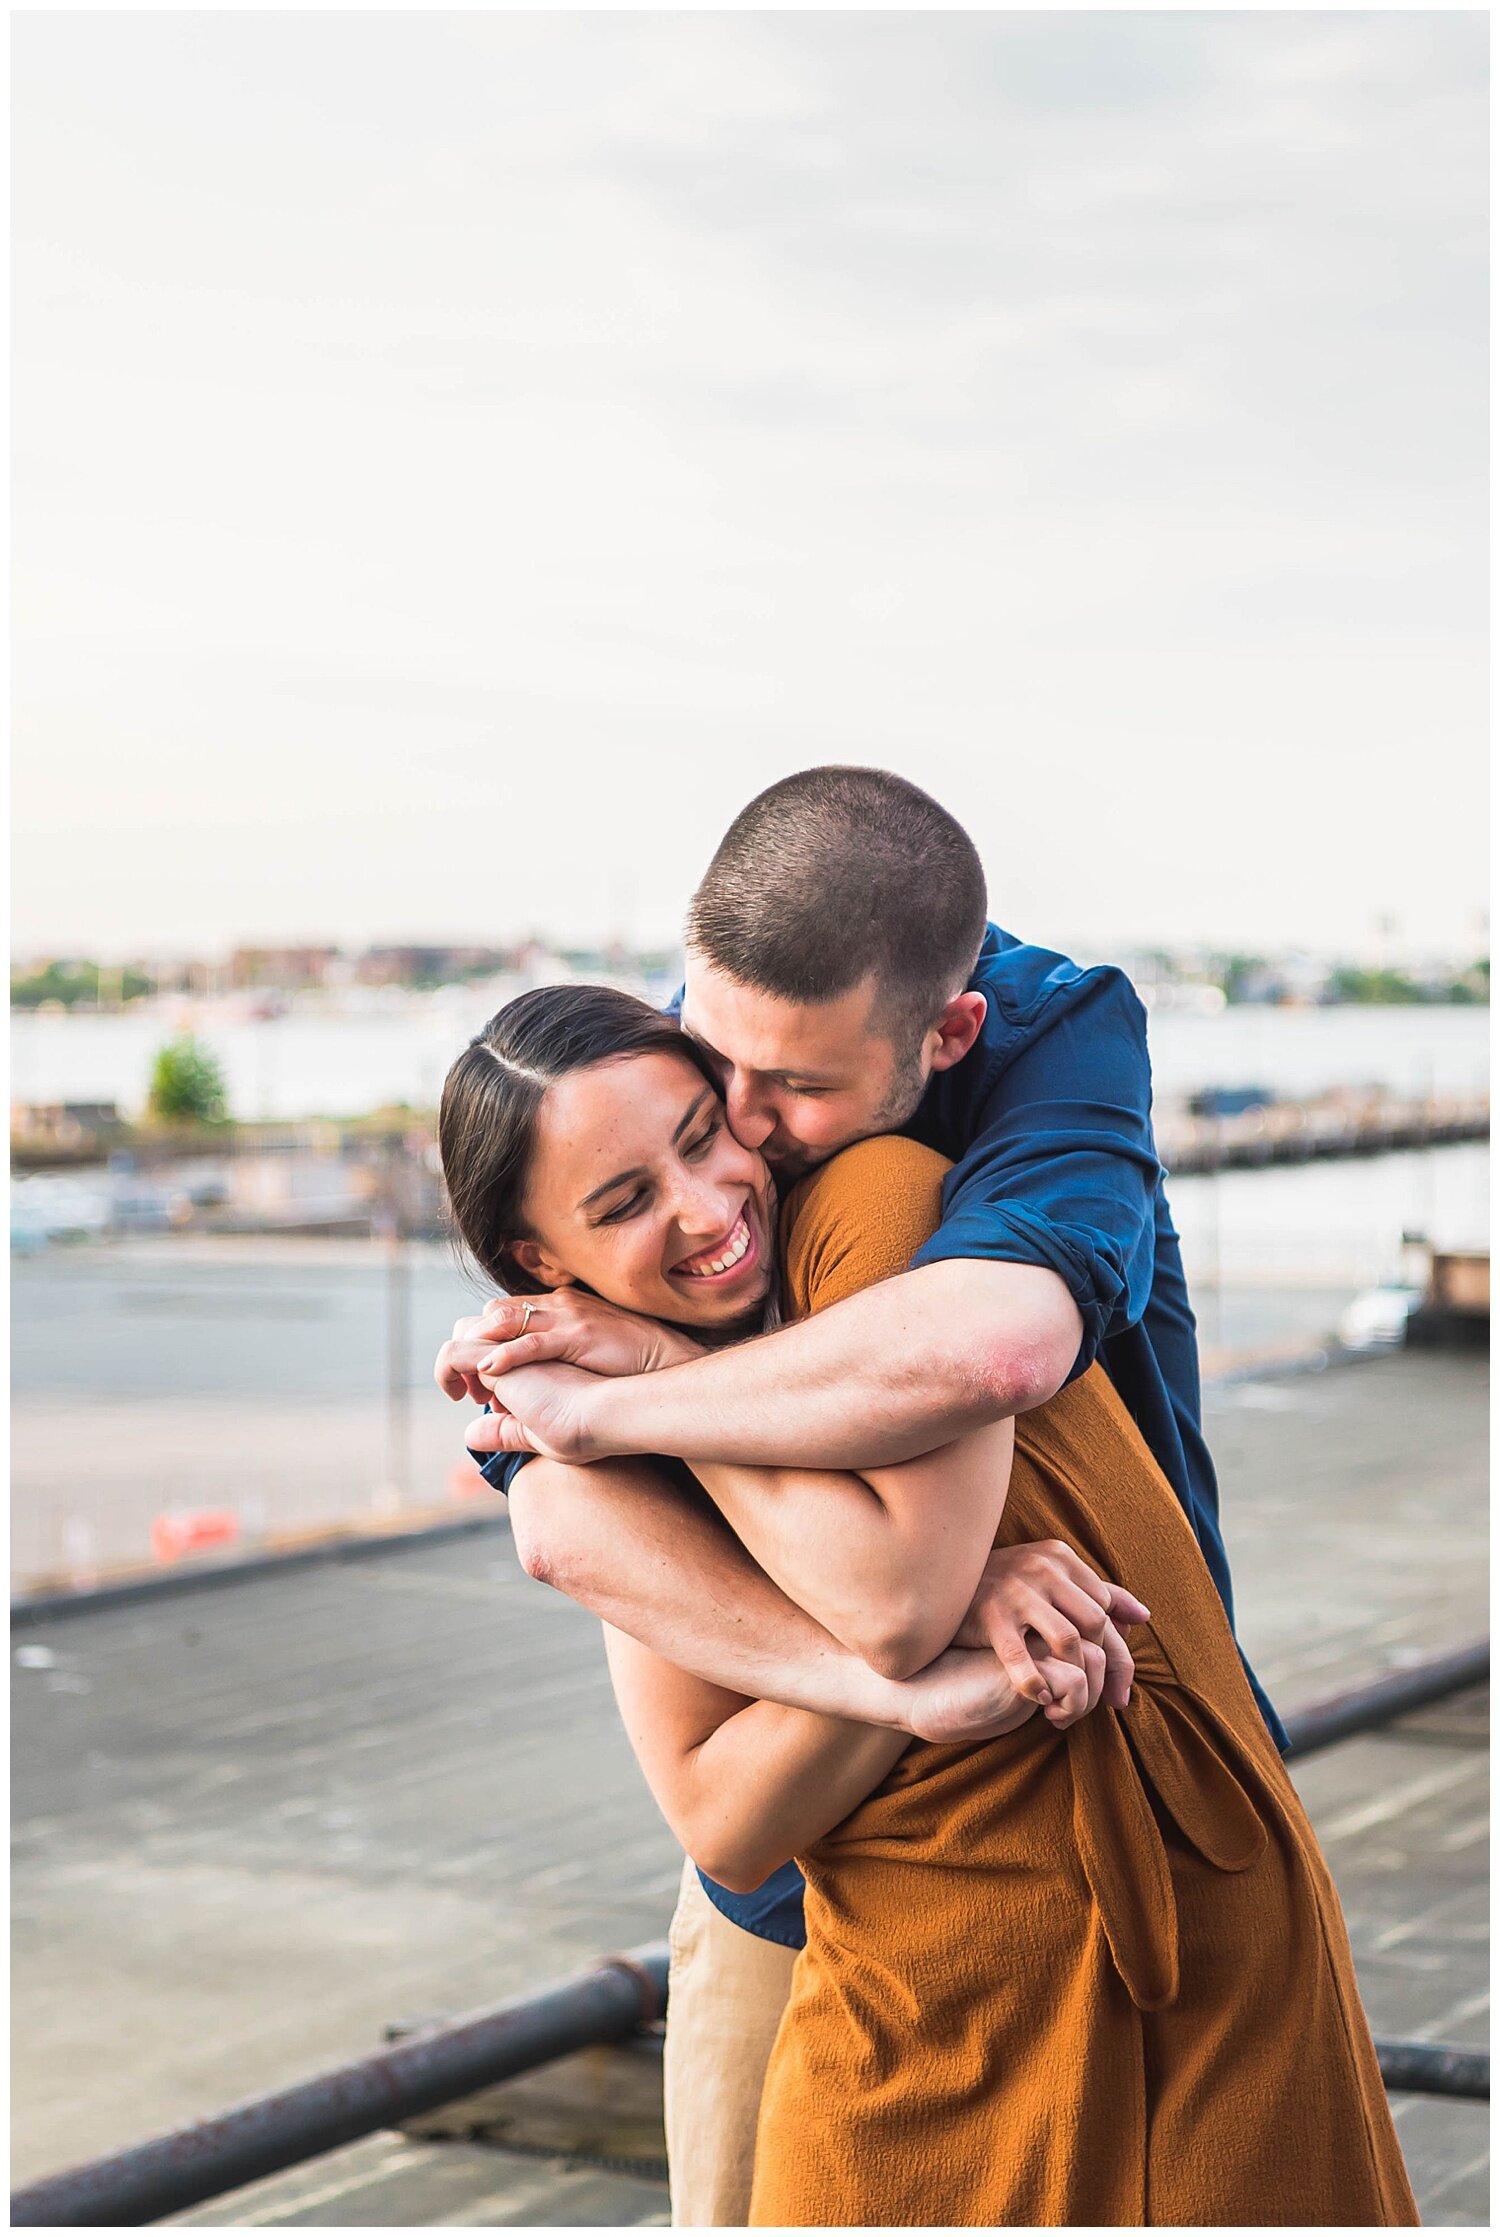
[(327, 1062), (1334, 1223), (152, 1375), (1299, 1053), (1276, 1254), (306, 1064)]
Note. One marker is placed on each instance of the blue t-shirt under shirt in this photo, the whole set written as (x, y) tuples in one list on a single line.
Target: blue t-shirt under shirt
[(1048, 1123)]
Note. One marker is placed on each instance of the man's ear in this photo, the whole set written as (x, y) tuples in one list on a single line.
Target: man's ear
[(957, 1030), (533, 1260)]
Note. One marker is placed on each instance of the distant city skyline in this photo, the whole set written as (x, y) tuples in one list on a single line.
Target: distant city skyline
[(310, 964), (460, 458)]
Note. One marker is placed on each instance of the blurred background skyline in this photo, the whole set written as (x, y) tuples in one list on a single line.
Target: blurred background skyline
[(461, 458)]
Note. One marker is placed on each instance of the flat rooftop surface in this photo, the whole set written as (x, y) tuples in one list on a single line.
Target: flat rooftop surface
[(256, 1823)]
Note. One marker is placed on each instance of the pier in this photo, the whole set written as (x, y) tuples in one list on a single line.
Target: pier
[(260, 1825), (1291, 1133)]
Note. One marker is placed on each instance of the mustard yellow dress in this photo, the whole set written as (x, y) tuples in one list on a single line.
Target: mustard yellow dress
[(1089, 1978)]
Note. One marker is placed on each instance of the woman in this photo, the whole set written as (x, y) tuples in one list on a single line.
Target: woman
[(1084, 1976)]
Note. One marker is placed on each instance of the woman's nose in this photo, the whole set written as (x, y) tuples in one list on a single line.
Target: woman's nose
[(703, 1212)]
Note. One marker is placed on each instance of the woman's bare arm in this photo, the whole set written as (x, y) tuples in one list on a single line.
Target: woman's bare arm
[(743, 1784), (651, 1556), (886, 1559)]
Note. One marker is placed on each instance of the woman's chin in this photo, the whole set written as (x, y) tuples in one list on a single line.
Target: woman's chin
[(725, 1314)]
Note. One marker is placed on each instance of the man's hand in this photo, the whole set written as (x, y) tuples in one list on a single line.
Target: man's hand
[(1046, 1590), (538, 1410), (559, 1324)]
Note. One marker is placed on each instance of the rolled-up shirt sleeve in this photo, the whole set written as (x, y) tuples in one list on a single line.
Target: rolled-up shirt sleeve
[(499, 1468), (1061, 1170)]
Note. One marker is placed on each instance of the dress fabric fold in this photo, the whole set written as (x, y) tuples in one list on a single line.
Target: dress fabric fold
[(1095, 1978)]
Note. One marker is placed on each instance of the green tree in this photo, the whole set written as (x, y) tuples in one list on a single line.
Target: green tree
[(1351, 984), (186, 1083), (69, 983), (1240, 973), (1474, 986)]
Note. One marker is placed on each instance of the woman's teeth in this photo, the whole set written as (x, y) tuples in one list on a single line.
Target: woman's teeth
[(730, 1254)]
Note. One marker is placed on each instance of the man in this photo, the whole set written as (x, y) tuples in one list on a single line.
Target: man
[(843, 980)]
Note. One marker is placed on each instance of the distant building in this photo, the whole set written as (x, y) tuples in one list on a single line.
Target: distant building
[(429, 966), (70, 1129), (285, 969)]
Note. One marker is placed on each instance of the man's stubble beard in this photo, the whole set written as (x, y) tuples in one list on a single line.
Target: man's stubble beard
[(903, 1097), (898, 1105)]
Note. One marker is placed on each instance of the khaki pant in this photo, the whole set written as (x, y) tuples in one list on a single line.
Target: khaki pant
[(726, 1993)]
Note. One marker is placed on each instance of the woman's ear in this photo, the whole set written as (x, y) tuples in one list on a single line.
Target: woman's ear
[(533, 1260), (958, 1029)]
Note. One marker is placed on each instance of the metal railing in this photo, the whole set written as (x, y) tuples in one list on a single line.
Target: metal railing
[(168, 2174), (1362, 1708), (265, 2135)]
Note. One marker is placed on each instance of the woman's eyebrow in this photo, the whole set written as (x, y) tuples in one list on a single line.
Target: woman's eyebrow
[(638, 1172), (708, 1095), (632, 1173)]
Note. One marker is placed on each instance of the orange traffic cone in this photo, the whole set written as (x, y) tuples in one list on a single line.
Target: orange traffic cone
[(181, 1530)]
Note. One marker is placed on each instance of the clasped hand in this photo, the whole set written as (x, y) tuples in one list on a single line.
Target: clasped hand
[(1042, 1635), (537, 1361)]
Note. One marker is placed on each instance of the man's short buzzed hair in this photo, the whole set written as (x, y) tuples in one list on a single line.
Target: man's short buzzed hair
[(836, 873)]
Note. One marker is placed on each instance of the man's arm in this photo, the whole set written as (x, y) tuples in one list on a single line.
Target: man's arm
[(878, 1379), (747, 1785)]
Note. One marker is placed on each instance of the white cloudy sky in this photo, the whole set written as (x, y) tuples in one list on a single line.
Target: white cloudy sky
[(459, 458)]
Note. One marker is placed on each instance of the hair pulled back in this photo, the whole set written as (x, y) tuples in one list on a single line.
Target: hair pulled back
[(487, 1117)]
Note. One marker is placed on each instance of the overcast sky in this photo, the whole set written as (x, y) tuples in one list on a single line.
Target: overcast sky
[(460, 458)]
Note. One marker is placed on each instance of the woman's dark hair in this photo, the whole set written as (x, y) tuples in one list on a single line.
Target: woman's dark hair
[(487, 1118)]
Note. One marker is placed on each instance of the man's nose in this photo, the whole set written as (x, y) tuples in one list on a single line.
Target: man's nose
[(751, 1121)]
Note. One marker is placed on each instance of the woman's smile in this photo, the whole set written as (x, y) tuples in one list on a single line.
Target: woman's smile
[(638, 1190), (732, 1257)]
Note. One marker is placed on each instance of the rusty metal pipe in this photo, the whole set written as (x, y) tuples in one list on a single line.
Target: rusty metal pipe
[(1435, 2069), (1363, 1707), (168, 2174)]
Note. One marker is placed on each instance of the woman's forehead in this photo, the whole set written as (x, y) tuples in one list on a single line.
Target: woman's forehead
[(610, 1117)]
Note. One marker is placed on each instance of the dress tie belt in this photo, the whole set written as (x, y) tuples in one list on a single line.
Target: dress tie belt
[(1172, 1743)]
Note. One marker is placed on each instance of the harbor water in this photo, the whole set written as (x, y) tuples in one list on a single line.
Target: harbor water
[(327, 1059), (286, 1384)]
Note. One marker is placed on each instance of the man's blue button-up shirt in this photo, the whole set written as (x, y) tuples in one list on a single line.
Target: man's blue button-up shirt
[(1048, 1123)]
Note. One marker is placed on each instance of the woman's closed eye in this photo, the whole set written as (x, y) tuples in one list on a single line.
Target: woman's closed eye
[(635, 1202), (632, 1204), (703, 1141)]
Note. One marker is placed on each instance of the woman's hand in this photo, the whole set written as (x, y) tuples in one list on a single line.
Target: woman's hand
[(561, 1324), (1041, 1600), (968, 1695), (964, 1695)]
